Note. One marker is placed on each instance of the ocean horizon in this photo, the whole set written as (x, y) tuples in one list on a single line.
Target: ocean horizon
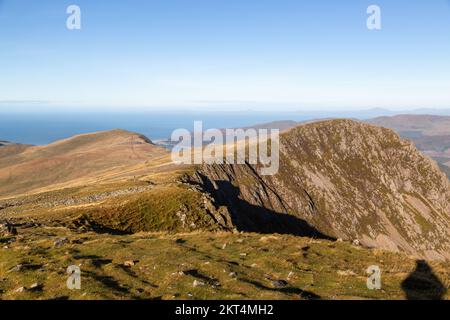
[(44, 128)]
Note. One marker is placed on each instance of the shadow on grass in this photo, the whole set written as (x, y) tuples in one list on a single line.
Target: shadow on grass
[(109, 282), (307, 295), (133, 275), (96, 261), (196, 274), (423, 284)]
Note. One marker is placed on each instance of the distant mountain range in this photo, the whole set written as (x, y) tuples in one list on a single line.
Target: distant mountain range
[(430, 133)]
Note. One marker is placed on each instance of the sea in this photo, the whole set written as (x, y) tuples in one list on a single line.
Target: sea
[(46, 127)]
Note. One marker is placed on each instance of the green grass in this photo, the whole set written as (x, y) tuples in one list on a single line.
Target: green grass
[(169, 264), (158, 209)]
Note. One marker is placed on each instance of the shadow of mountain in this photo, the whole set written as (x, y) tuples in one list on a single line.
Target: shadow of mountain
[(423, 284), (253, 218)]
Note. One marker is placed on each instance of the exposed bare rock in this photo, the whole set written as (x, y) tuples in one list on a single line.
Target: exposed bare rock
[(60, 242), (342, 179)]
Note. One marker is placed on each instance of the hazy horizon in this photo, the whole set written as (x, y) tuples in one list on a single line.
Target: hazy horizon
[(206, 55), (41, 128)]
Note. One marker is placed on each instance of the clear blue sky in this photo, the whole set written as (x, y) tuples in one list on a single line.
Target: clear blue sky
[(211, 54)]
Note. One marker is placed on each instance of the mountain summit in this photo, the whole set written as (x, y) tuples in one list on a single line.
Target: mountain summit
[(342, 179)]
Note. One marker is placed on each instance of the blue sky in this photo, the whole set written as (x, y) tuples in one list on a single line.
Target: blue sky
[(224, 54)]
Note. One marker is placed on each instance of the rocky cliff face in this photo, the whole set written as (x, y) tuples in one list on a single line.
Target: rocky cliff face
[(342, 179)]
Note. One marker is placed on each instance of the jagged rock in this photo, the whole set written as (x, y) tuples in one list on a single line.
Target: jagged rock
[(17, 268), (279, 284), (198, 283), (341, 179), (12, 230), (35, 287), (60, 242), (140, 291), (97, 197), (20, 290), (130, 263), (78, 241)]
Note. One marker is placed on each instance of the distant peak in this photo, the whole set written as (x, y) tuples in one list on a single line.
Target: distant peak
[(118, 135)]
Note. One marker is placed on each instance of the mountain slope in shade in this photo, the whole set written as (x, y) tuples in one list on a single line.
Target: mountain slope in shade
[(28, 168), (343, 179)]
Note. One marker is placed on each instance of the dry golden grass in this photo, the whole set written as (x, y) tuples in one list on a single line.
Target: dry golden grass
[(81, 160)]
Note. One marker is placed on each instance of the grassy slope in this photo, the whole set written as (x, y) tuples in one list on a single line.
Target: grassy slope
[(169, 264), (152, 205), (79, 160)]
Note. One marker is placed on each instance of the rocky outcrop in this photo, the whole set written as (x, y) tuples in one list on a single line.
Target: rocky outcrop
[(342, 179)]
